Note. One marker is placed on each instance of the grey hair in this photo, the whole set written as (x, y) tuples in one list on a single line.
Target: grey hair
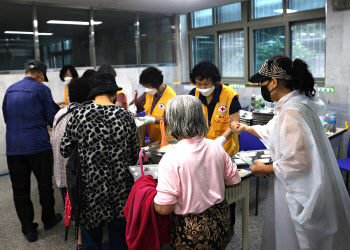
[(184, 114)]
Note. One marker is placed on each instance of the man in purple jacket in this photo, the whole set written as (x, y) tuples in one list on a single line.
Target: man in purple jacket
[(27, 108)]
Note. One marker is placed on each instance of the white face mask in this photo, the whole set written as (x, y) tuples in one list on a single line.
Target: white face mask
[(67, 79), (151, 91), (207, 92)]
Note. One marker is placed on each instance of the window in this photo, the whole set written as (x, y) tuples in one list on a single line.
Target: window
[(202, 18), (156, 38), (267, 43), (203, 49), (300, 5), (263, 8), (69, 39), (308, 43), (115, 38), (16, 38), (228, 13), (232, 54)]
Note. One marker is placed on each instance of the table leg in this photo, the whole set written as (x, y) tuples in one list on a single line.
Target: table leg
[(340, 149), (245, 221), (257, 196)]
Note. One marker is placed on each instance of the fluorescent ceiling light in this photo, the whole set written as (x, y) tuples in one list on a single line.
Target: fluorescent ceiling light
[(311, 34), (72, 22), (27, 33), (288, 11)]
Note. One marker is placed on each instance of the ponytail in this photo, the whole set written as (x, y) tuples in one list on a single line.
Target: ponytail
[(302, 78)]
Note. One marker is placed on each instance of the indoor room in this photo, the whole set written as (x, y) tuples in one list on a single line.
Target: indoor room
[(188, 124)]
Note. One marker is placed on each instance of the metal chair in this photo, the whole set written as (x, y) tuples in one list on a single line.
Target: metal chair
[(249, 142)]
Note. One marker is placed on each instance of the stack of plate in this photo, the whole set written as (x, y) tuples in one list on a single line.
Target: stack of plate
[(246, 117), (261, 118), (261, 155)]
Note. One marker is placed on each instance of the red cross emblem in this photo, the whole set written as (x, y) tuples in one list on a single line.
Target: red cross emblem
[(222, 109), (161, 106)]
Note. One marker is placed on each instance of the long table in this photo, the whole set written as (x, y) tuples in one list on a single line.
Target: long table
[(235, 194), (337, 140)]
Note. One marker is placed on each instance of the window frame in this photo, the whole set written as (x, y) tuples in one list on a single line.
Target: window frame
[(318, 80), (91, 39), (248, 24), (235, 79)]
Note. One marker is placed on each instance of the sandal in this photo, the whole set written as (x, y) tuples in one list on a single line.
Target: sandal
[(79, 247)]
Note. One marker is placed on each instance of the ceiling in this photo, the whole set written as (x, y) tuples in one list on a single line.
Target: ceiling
[(160, 6)]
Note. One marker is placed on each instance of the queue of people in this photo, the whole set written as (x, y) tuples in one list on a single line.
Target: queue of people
[(307, 204)]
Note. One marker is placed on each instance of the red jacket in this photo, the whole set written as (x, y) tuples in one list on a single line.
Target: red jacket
[(145, 228)]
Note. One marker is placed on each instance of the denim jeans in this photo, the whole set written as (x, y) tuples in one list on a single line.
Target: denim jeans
[(92, 238)]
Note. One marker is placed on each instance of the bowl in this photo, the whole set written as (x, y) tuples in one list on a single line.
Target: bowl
[(156, 156)]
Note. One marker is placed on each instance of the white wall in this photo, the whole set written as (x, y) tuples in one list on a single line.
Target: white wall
[(338, 66), (127, 78)]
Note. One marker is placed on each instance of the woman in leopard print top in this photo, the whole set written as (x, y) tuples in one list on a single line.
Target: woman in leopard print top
[(107, 142)]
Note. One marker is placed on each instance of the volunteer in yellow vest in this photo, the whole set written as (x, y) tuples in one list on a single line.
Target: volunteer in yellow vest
[(153, 101), (121, 97), (67, 73), (220, 104)]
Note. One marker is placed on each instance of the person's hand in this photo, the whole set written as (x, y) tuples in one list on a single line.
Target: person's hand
[(148, 119), (133, 109), (258, 169), (221, 140), (237, 127), (139, 123)]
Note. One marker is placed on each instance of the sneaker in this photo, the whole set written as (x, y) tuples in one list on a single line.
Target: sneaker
[(58, 218), (32, 236)]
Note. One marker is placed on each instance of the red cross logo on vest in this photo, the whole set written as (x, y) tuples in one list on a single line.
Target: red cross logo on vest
[(161, 106), (222, 109)]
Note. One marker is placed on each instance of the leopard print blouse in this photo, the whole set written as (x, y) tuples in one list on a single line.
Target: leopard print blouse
[(107, 142)]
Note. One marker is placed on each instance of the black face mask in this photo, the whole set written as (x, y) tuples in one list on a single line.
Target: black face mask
[(266, 94)]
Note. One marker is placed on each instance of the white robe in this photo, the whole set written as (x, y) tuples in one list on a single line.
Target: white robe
[(308, 206)]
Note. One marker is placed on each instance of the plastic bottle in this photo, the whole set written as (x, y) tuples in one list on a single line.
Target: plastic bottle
[(332, 123)]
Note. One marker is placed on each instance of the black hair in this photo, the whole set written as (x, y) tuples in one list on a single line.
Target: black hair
[(108, 69), (302, 78), (32, 71), (71, 69), (205, 70), (88, 73), (151, 76), (78, 90)]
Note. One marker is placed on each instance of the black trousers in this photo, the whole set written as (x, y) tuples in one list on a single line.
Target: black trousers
[(20, 168)]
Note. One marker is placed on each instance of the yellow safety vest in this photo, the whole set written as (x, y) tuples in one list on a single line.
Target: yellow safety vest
[(220, 119), (122, 92), (66, 101), (158, 111)]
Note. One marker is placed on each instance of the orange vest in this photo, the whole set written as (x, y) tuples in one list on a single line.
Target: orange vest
[(66, 101), (220, 119), (158, 111)]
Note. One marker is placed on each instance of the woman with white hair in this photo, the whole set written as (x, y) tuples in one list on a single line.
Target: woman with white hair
[(192, 180)]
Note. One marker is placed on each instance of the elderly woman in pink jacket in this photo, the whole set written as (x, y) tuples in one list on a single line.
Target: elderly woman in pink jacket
[(192, 179)]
